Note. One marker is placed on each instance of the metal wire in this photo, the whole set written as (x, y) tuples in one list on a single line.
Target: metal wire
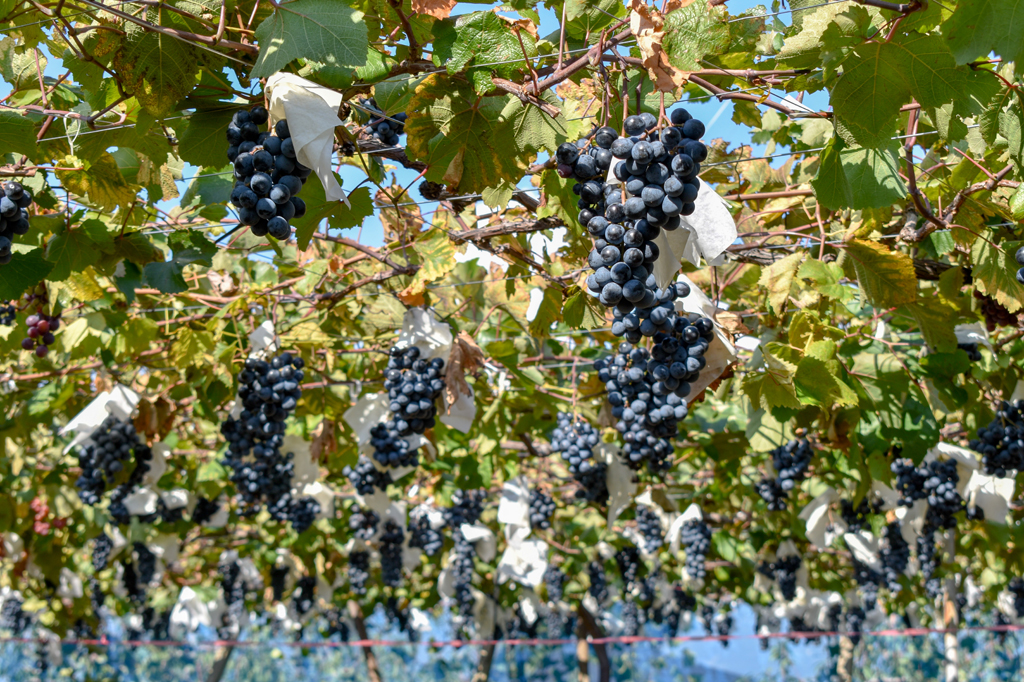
[(786, 11)]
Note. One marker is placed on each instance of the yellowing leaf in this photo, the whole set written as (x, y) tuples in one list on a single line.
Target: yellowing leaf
[(191, 347), (887, 277), (100, 182)]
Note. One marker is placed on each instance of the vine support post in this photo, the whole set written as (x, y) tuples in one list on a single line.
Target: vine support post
[(220, 664), (355, 612), (590, 627), (483, 667), (950, 617), (844, 666)]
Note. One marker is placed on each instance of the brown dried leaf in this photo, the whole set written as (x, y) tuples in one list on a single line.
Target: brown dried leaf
[(439, 9), (648, 25), (412, 295), (465, 358), (524, 24), (165, 410), (324, 440), (731, 322), (145, 420)]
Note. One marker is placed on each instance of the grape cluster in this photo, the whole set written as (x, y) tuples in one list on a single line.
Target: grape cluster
[(658, 169), (467, 506), (40, 332), (13, 217), (630, 619), (399, 617), (973, 354), (391, 541), (233, 588), (358, 570), (996, 315), (1016, 588), (895, 555), (682, 602), (868, 580), (105, 455), (649, 526), (7, 313), (554, 583), (269, 391), (695, 536), (575, 440), (363, 523), (102, 547), (783, 570), (366, 478), (413, 384), (855, 517), (422, 535), (130, 582), (855, 617), (598, 583), (146, 563), (928, 560), (909, 480), (944, 501), (1019, 257), (390, 449), (386, 129), (593, 483), (542, 507), (304, 595), (12, 615), (791, 462), (1001, 443), (635, 325), (461, 567), (278, 576), (627, 560), (268, 177), (204, 510)]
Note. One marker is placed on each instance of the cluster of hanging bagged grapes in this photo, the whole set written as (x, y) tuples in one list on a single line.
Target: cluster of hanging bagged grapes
[(658, 171), (783, 571), (649, 526), (13, 217), (466, 508), (791, 462), (269, 391), (542, 508), (648, 389), (358, 570), (390, 449), (1001, 443), (268, 177), (627, 560), (104, 456), (413, 385), (383, 128)]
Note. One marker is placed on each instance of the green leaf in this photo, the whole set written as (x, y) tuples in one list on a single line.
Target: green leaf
[(27, 268), (858, 178), (979, 27), (336, 213), (692, 33), (778, 277), (532, 129), (826, 278), (203, 141), (487, 38), (584, 18), (134, 336), (100, 182), (1011, 126), (17, 134), (326, 31), (994, 272), (157, 69), (886, 277), (581, 311), (393, 96), (190, 347), (879, 77), (458, 135), (209, 190), (18, 63), (547, 313), (772, 386), (188, 246), (71, 251), (936, 320)]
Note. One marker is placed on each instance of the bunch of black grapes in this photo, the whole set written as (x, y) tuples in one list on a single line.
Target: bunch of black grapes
[(423, 535), (363, 523), (658, 171), (973, 353), (41, 326), (791, 462), (268, 177), (105, 455), (1019, 257), (413, 385), (637, 324), (575, 439), (467, 507), (384, 128), (695, 536), (391, 541), (7, 313), (366, 478), (262, 474), (895, 555), (1001, 443), (593, 483), (390, 449), (542, 507), (783, 571), (14, 205), (649, 526)]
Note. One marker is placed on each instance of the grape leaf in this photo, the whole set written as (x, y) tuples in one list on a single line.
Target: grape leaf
[(994, 272), (457, 134), (71, 251), (879, 77), (936, 319), (188, 246), (100, 181), (582, 311), (826, 278), (858, 178), (326, 31), (203, 141), (336, 213), (157, 69), (979, 27), (693, 32), (27, 268), (487, 39), (190, 347), (772, 386), (548, 312), (17, 134), (532, 129), (777, 279), (886, 277)]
